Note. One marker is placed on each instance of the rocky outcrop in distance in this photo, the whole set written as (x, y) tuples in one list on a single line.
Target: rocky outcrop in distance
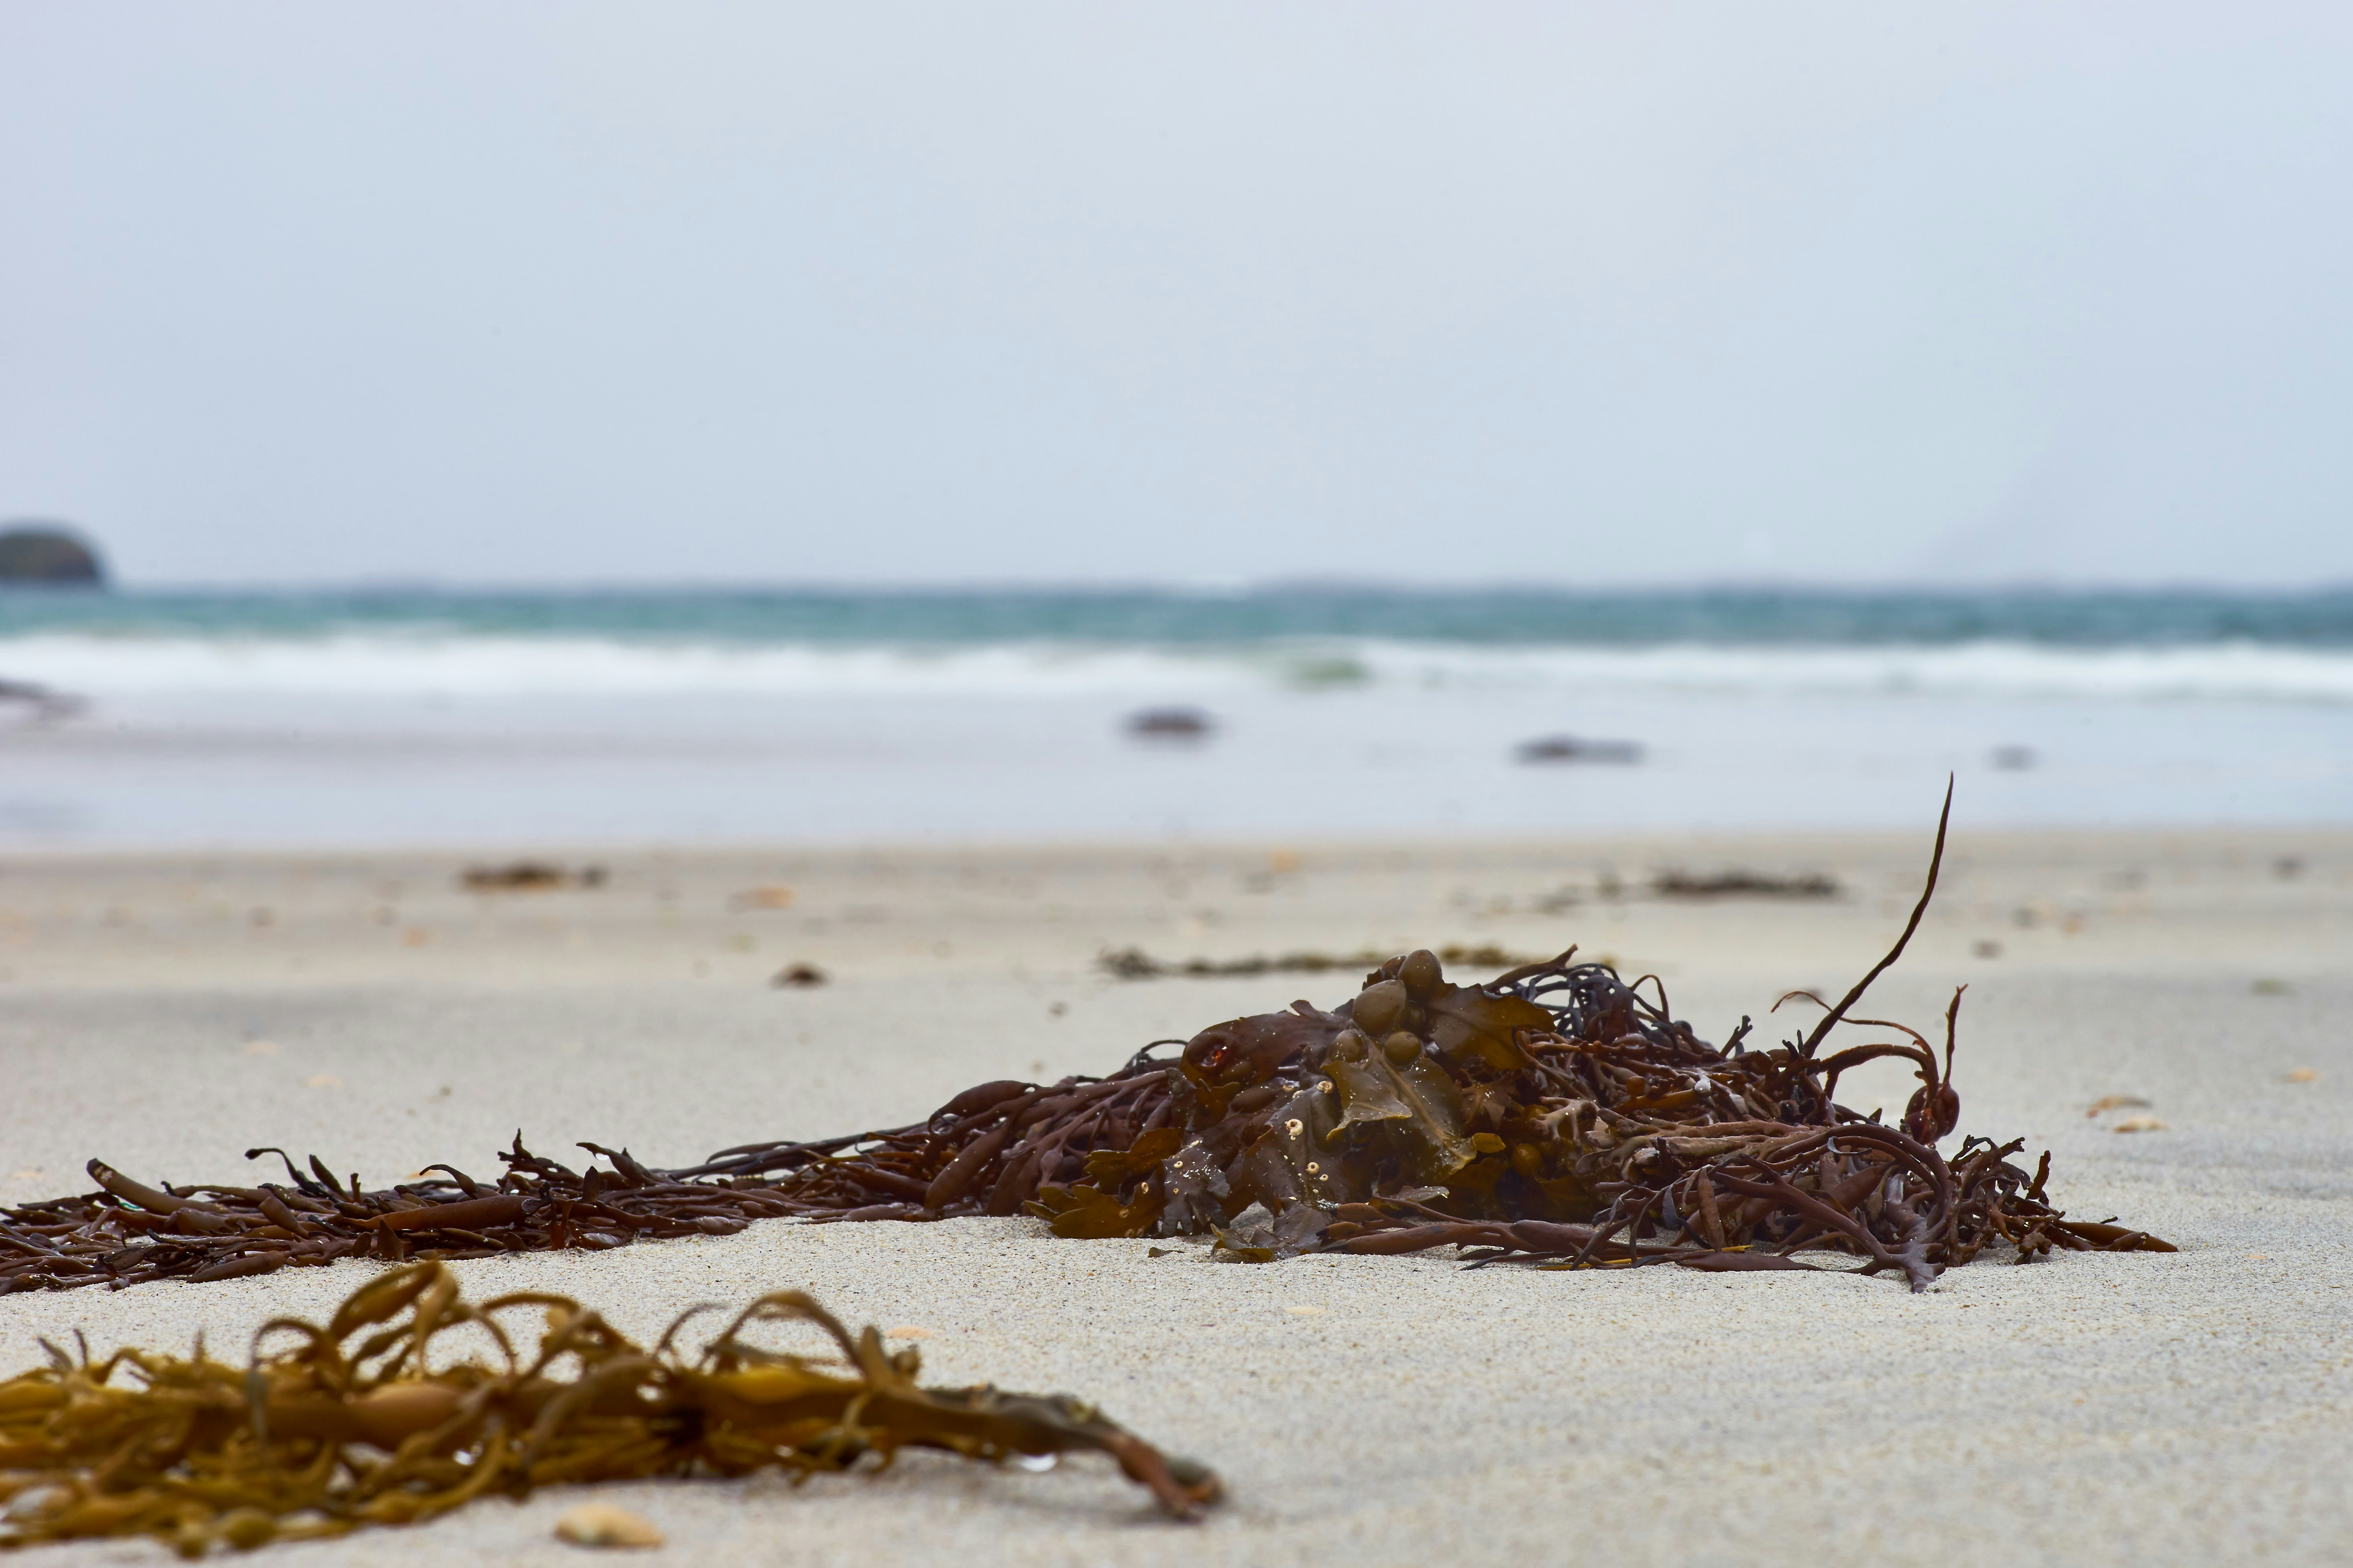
[(47, 554)]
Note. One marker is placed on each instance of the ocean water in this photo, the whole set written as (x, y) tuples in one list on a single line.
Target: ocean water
[(516, 718)]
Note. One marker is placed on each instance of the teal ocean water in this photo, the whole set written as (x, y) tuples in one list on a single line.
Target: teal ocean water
[(366, 716), (1767, 617)]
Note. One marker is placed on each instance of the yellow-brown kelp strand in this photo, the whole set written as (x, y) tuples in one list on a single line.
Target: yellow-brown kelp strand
[(1554, 1114), (353, 1424)]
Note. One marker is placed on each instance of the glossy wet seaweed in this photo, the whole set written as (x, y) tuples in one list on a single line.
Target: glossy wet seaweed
[(1555, 1115), (371, 1420)]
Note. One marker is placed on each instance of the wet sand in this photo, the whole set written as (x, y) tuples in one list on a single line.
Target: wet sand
[(168, 1012)]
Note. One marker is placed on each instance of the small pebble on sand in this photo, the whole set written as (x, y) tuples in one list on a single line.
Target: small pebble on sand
[(601, 1524)]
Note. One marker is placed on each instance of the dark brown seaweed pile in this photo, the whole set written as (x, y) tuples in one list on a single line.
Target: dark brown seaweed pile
[(1555, 1115), (1743, 885), (353, 1424)]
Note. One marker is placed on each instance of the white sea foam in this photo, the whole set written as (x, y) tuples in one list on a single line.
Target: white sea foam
[(2012, 670), (374, 665)]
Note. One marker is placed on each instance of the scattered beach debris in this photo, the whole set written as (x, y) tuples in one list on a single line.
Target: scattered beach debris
[(798, 974), (769, 896), (528, 877), (2269, 987), (40, 704), (1985, 947), (1134, 963), (602, 1524), (2140, 1124), (1554, 1115), (2304, 1075), (2013, 759), (1169, 724), (2108, 1102), (1742, 884), (1571, 749), (359, 1422), (2288, 867)]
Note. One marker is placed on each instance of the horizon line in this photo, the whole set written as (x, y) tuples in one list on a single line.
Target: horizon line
[(1287, 583)]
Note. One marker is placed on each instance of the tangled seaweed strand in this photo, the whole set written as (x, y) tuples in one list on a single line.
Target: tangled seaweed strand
[(352, 1424), (1555, 1115)]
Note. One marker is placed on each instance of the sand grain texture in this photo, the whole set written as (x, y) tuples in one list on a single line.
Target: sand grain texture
[(166, 1013)]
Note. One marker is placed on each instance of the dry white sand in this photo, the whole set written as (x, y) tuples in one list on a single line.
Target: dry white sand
[(166, 1013)]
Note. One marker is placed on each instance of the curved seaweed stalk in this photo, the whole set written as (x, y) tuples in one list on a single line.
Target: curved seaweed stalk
[(350, 1426), (1555, 1114)]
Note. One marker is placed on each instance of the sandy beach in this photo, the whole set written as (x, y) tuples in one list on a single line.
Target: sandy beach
[(649, 594), (168, 1012)]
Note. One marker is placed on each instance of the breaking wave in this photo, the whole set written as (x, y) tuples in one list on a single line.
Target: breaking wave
[(363, 665)]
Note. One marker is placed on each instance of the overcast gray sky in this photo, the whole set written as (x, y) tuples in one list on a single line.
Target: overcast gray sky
[(1201, 294)]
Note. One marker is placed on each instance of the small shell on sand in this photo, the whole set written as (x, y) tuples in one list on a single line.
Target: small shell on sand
[(2140, 1124), (601, 1524)]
